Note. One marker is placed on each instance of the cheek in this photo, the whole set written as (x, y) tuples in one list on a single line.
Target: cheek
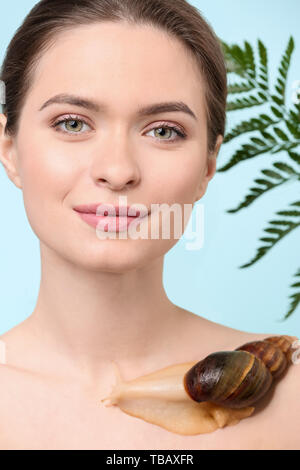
[(46, 171), (175, 181), (178, 179), (187, 183), (47, 177)]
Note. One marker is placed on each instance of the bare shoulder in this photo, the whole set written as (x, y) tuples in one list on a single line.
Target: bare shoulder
[(11, 374), (275, 423), (7, 387), (276, 420), (8, 371), (288, 409), (278, 415), (15, 344), (220, 335), (16, 332)]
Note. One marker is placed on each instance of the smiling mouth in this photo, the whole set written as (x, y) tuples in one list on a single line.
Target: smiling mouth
[(111, 218)]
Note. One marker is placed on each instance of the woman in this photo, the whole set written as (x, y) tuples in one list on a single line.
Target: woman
[(77, 74)]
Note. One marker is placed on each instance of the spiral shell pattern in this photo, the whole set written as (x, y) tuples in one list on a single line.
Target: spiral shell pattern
[(239, 378)]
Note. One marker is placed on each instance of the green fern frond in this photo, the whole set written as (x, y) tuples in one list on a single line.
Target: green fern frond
[(233, 64), (296, 296), (289, 213), (262, 122), (258, 146), (277, 112), (240, 87), (264, 185), (294, 115), (277, 130), (278, 232), (280, 134), (246, 102), (294, 130), (246, 152), (263, 55), (292, 121), (280, 84), (236, 53), (239, 61), (263, 65), (249, 150), (284, 147), (278, 100), (250, 60), (286, 168)]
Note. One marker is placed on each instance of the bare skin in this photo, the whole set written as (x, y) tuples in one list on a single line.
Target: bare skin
[(102, 301)]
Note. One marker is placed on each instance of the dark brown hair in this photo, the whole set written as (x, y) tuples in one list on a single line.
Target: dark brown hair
[(177, 17)]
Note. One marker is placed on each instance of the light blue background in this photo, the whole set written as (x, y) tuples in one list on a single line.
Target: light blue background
[(208, 281)]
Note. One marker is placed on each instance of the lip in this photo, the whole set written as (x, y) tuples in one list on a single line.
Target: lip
[(110, 210), (116, 219)]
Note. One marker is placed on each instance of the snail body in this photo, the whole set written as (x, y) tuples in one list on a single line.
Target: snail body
[(160, 398), (200, 397)]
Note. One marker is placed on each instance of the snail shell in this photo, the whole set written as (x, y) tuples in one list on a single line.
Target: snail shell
[(270, 353), (239, 378), (229, 378)]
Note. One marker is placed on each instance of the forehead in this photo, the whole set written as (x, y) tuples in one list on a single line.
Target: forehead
[(121, 63)]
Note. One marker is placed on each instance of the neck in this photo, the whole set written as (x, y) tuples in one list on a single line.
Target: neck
[(89, 318)]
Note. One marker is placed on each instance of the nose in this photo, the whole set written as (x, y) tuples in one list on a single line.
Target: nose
[(114, 165)]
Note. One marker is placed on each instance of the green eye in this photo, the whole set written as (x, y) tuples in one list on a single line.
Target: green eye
[(71, 124), (167, 130)]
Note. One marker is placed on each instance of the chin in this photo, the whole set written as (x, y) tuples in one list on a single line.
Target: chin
[(106, 256)]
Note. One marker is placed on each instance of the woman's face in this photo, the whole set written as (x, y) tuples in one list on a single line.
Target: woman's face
[(101, 154)]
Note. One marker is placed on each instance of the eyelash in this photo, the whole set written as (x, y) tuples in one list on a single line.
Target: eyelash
[(163, 125)]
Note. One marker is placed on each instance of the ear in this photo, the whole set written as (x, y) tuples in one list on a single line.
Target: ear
[(210, 171), (8, 154)]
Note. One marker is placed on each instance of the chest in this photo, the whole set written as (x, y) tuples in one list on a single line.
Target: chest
[(40, 415)]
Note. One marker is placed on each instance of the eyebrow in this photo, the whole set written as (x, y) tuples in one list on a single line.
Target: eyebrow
[(156, 108)]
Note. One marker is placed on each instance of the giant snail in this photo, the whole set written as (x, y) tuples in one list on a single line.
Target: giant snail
[(195, 398)]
